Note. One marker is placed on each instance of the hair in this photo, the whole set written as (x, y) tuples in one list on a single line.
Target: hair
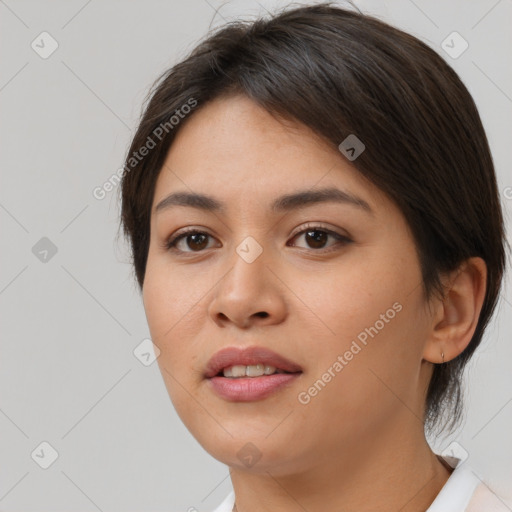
[(341, 72)]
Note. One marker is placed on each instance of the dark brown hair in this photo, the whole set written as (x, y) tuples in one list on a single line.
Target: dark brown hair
[(341, 72)]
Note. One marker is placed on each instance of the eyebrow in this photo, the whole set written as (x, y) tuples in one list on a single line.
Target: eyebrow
[(283, 203)]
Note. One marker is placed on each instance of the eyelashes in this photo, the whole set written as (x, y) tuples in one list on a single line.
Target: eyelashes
[(313, 234), (171, 244)]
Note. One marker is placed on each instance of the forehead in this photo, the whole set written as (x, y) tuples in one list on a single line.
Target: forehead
[(234, 149)]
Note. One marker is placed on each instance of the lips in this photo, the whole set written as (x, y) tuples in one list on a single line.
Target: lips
[(233, 356)]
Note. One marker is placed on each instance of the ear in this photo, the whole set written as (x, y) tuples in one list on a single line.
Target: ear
[(455, 318)]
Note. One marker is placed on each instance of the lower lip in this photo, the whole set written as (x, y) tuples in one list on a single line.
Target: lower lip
[(249, 389)]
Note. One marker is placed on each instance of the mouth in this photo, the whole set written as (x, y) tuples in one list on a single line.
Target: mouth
[(251, 389), (253, 370), (234, 362), (254, 373)]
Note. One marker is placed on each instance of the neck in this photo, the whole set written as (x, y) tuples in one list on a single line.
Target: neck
[(386, 473)]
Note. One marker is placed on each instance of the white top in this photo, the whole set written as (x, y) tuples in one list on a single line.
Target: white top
[(462, 492)]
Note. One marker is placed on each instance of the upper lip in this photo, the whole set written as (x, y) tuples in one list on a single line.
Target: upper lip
[(232, 356)]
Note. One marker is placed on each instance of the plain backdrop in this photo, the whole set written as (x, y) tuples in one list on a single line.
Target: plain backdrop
[(71, 314)]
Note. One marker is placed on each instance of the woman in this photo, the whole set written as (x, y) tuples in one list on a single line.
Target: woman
[(318, 238)]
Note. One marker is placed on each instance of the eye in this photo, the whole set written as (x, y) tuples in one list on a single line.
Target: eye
[(196, 240), (317, 236)]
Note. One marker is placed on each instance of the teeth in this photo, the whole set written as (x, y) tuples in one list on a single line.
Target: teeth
[(253, 370)]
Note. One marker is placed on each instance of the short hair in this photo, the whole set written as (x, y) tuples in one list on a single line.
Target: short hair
[(342, 72)]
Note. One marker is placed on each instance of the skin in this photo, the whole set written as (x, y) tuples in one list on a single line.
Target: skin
[(359, 443)]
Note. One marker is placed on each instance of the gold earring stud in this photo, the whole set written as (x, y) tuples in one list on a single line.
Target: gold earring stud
[(442, 355)]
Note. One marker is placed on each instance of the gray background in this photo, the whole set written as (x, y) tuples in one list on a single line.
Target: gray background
[(70, 323)]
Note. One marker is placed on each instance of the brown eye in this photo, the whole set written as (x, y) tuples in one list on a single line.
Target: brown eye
[(194, 240), (198, 241), (317, 237)]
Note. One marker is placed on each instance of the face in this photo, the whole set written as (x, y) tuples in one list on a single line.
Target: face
[(332, 286)]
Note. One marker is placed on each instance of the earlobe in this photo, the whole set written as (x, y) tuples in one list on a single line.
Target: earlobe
[(456, 316)]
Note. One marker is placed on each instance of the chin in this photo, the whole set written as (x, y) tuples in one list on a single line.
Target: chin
[(254, 454)]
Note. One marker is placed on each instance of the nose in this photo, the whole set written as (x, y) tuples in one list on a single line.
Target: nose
[(249, 294)]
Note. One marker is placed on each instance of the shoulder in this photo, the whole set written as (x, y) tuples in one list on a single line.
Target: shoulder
[(227, 504), (485, 499), (465, 492)]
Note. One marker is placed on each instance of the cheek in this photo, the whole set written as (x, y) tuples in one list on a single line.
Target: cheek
[(371, 316), (169, 295), (350, 300), (170, 303)]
